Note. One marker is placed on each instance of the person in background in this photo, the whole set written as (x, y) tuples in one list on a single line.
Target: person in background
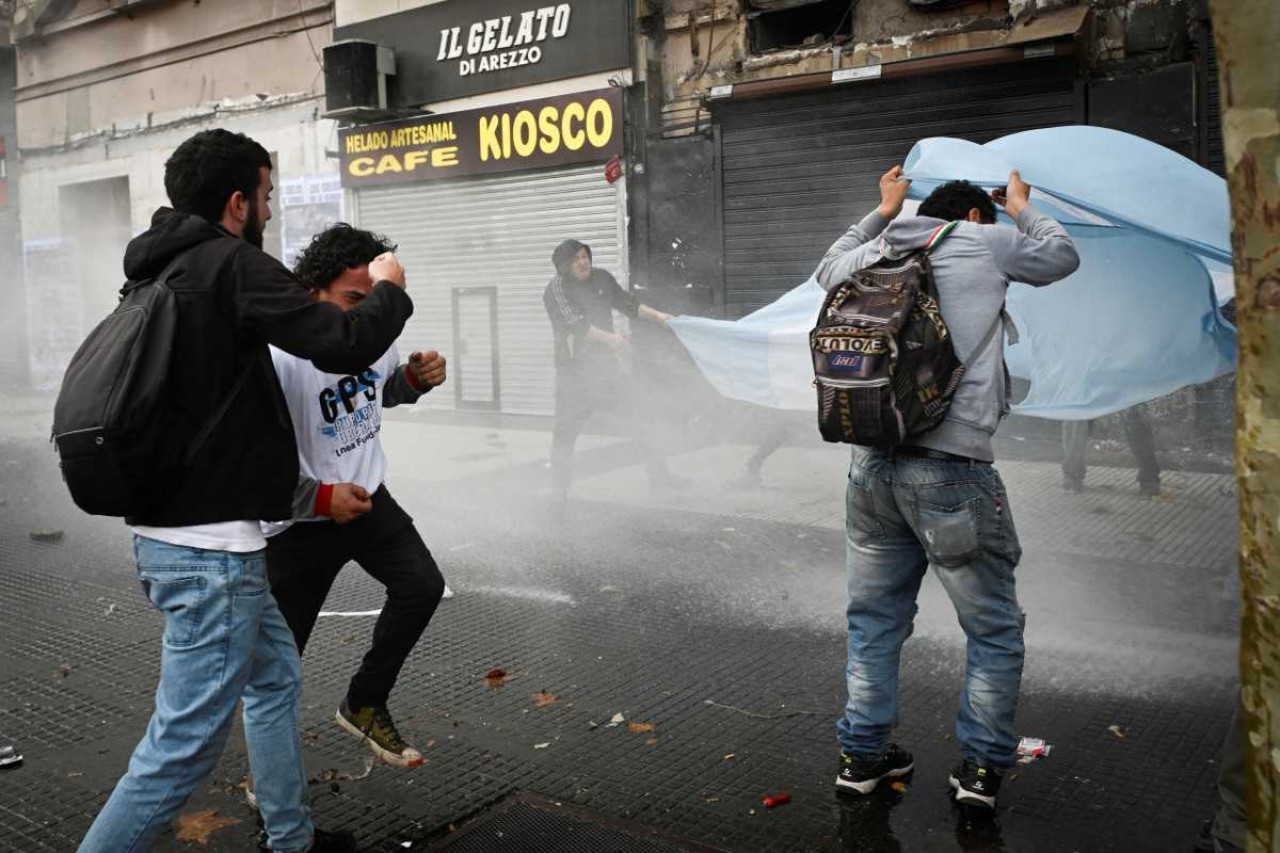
[(580, 300), (1142, 444)]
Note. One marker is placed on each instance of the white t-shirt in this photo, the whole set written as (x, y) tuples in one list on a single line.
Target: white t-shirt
[(336, 420), (241, 537)]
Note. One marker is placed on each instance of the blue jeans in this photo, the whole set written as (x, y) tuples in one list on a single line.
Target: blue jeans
[(224, 639), (903, 513)]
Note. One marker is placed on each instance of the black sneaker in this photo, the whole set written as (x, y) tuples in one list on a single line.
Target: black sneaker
[(324, 842), (975, 784), (860, 775)]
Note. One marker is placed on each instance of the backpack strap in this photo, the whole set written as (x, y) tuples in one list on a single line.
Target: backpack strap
[(1011, 328)]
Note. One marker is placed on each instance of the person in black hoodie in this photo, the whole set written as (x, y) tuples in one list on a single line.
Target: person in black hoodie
[(199, 549), (580, 300)]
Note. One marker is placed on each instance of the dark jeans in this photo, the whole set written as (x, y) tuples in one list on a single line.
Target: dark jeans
[(1137, 430), (304, 561), (578, 398)]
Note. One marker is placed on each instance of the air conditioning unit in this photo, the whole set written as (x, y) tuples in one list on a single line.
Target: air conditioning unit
[(355, 80)]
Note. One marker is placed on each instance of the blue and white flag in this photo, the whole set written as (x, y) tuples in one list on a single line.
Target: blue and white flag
[(1137, 321)]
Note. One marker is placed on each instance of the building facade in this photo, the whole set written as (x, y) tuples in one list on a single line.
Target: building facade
[(105, 90), (770, 120), (495, 143)]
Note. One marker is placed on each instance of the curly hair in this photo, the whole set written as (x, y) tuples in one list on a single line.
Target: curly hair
[(955, 199), (206, 170), (336, 249)]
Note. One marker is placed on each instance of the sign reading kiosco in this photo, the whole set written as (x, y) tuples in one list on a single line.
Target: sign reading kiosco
[(555, 131), (457, 48)]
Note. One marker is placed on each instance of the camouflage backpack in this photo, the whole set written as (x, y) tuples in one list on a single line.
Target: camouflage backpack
[(883, 362)]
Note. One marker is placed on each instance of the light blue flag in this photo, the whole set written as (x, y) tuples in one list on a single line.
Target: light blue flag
[(1137, 321)]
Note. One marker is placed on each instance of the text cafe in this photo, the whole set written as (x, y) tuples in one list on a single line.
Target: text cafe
[(477, 200)]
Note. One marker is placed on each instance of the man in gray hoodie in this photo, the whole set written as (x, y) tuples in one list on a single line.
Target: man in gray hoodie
[(936, 498)]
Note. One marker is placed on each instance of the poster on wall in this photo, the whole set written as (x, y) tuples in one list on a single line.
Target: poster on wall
[(55, 321), (308, 205)]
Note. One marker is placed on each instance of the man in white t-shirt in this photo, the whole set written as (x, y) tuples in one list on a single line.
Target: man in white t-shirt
[(342, 510)]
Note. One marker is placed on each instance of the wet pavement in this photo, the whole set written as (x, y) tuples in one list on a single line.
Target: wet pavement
[(712, 618)]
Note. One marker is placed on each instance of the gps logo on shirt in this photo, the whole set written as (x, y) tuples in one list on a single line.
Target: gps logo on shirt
[(342, 396)]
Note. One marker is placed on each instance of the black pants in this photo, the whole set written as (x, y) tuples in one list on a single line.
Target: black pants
[(304, 561), (1137, 430), (578, 398)]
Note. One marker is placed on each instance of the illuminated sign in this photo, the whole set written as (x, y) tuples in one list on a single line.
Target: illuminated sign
[(579, 128)]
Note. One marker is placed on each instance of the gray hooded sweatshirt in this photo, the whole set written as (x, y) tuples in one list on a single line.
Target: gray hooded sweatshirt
[(972, 267)]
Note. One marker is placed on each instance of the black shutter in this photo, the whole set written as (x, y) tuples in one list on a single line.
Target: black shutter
[(797, 169), (1214, 158)]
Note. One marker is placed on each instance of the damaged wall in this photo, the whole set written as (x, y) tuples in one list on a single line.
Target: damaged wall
[(708, 43)]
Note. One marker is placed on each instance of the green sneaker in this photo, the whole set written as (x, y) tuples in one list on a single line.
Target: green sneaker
[(375, 727)]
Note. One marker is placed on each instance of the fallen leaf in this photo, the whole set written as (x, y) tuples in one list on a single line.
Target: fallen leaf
[(641, 728), (542, 745), (711, 799), (617, 720), (1117, 731), (496, 677), (900, 787), (729, 756), (653, 741), (200, 825), (543, 698)]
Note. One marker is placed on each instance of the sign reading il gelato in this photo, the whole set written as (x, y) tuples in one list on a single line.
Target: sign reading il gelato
[(506, 42), (580, 128), (456, 48)]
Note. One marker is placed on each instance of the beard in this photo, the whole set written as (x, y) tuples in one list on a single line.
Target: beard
[(253, 228)]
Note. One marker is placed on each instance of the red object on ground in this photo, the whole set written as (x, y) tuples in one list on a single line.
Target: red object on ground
[(776, 800)]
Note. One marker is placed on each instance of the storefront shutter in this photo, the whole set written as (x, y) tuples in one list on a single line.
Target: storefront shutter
[(798, 169), (498, 232)]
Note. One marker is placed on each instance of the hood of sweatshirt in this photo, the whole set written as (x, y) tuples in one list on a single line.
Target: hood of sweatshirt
[(171, 233), (907, 234)]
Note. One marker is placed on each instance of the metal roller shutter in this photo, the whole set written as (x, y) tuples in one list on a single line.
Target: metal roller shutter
[(797, 169), (494, 232)]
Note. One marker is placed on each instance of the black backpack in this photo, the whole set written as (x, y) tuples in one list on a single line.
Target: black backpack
[(884, 365), (110, 417)]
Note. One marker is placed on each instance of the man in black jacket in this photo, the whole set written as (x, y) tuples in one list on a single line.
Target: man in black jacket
[(232, 460)]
